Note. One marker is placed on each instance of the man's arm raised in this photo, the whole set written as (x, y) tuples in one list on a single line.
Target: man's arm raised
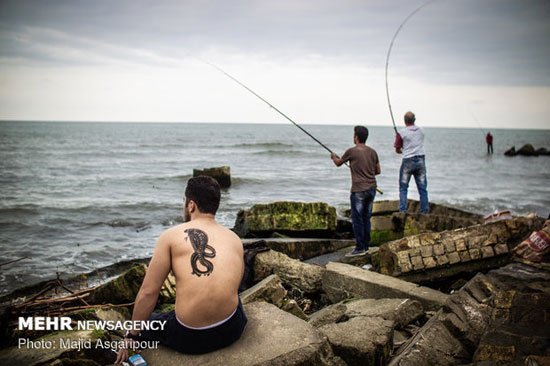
[(398, 144), (337, 161)]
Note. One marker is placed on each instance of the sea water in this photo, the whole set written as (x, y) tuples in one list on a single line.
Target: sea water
[(81, 196)]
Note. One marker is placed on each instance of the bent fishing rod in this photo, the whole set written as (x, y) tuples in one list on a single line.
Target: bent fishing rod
[(275, 108), (389, 52), (269, 104)]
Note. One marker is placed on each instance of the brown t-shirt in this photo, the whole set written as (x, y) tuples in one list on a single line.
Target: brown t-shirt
[(363, 161)]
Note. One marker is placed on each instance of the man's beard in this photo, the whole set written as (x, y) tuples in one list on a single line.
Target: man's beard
[(186, 214)]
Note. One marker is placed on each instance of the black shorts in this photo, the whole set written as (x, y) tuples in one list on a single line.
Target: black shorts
[(196, 341)]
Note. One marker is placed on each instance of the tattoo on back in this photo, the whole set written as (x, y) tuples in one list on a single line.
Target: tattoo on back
[(199, 241)]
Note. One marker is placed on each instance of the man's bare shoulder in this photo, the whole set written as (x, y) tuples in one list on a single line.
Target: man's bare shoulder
[(178, 230)]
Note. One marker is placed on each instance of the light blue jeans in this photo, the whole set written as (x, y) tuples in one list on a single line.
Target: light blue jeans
[(415, 166), (361, 210)]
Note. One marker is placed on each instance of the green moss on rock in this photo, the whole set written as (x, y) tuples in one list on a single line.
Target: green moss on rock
[(164, 308), (287, 216), (378, 237), (122, 289)]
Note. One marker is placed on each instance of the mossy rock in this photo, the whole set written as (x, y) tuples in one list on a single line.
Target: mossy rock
[(121, 290), (164, 308), (287, 218), (527, 150), (221, 174), (378, 237)]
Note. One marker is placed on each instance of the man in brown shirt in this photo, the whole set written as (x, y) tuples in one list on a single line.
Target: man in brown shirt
[(364, 166)]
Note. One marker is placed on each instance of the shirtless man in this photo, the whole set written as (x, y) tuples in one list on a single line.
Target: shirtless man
[(207, 262)]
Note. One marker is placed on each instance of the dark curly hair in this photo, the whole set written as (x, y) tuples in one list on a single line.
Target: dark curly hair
[(205, 192)]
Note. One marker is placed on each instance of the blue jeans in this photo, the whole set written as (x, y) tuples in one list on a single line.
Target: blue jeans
[(415, 166), (361, 210)]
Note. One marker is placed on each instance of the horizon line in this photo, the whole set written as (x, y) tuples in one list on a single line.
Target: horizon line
[(264, 123)]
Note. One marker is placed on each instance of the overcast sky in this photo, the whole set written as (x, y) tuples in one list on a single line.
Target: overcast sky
[(458, 63)]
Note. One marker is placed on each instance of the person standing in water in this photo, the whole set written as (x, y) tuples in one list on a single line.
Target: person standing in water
[(489, 140)]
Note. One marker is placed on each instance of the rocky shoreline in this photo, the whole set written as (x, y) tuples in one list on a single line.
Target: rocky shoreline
[(309, 305)]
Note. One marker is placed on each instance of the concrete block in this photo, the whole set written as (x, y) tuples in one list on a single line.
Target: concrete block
[(474, 253), (414, 252), (400, 311), (404, 262), (306, 277), (417, 263), (464, 256), (360, 339), (454, 257), (427, 251), (501, 249), (439, 249), (442, 260), (270, 289), (429, 262), (381, 223), (487, 252), (450, 246), (341, 281), (460, 245), (272, 337)]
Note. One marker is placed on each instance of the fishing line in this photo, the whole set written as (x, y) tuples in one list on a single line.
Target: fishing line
[(389, 52), (481, 128), (272, 106), (269, 104)]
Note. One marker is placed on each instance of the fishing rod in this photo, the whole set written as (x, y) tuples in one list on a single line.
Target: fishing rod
[(389, 52), (269, 104), (275, 108), (481, 128)]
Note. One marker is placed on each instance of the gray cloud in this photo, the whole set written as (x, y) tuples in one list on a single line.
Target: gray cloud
[(483, 42)]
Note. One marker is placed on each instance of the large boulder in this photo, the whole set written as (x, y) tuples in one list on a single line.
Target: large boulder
[(361, 340), (341, 281), (270, 290), (290, 218), (124, 288), (511, 151), (272, 337), (221, 174), (400, 311), (527, 150), (307, 278), (121, 290), (303, 249), (496, 319)]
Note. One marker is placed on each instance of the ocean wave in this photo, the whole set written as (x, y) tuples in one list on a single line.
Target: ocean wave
[(263, 144), (281, 152), (173, 221), (20, 210), (169, 178)]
